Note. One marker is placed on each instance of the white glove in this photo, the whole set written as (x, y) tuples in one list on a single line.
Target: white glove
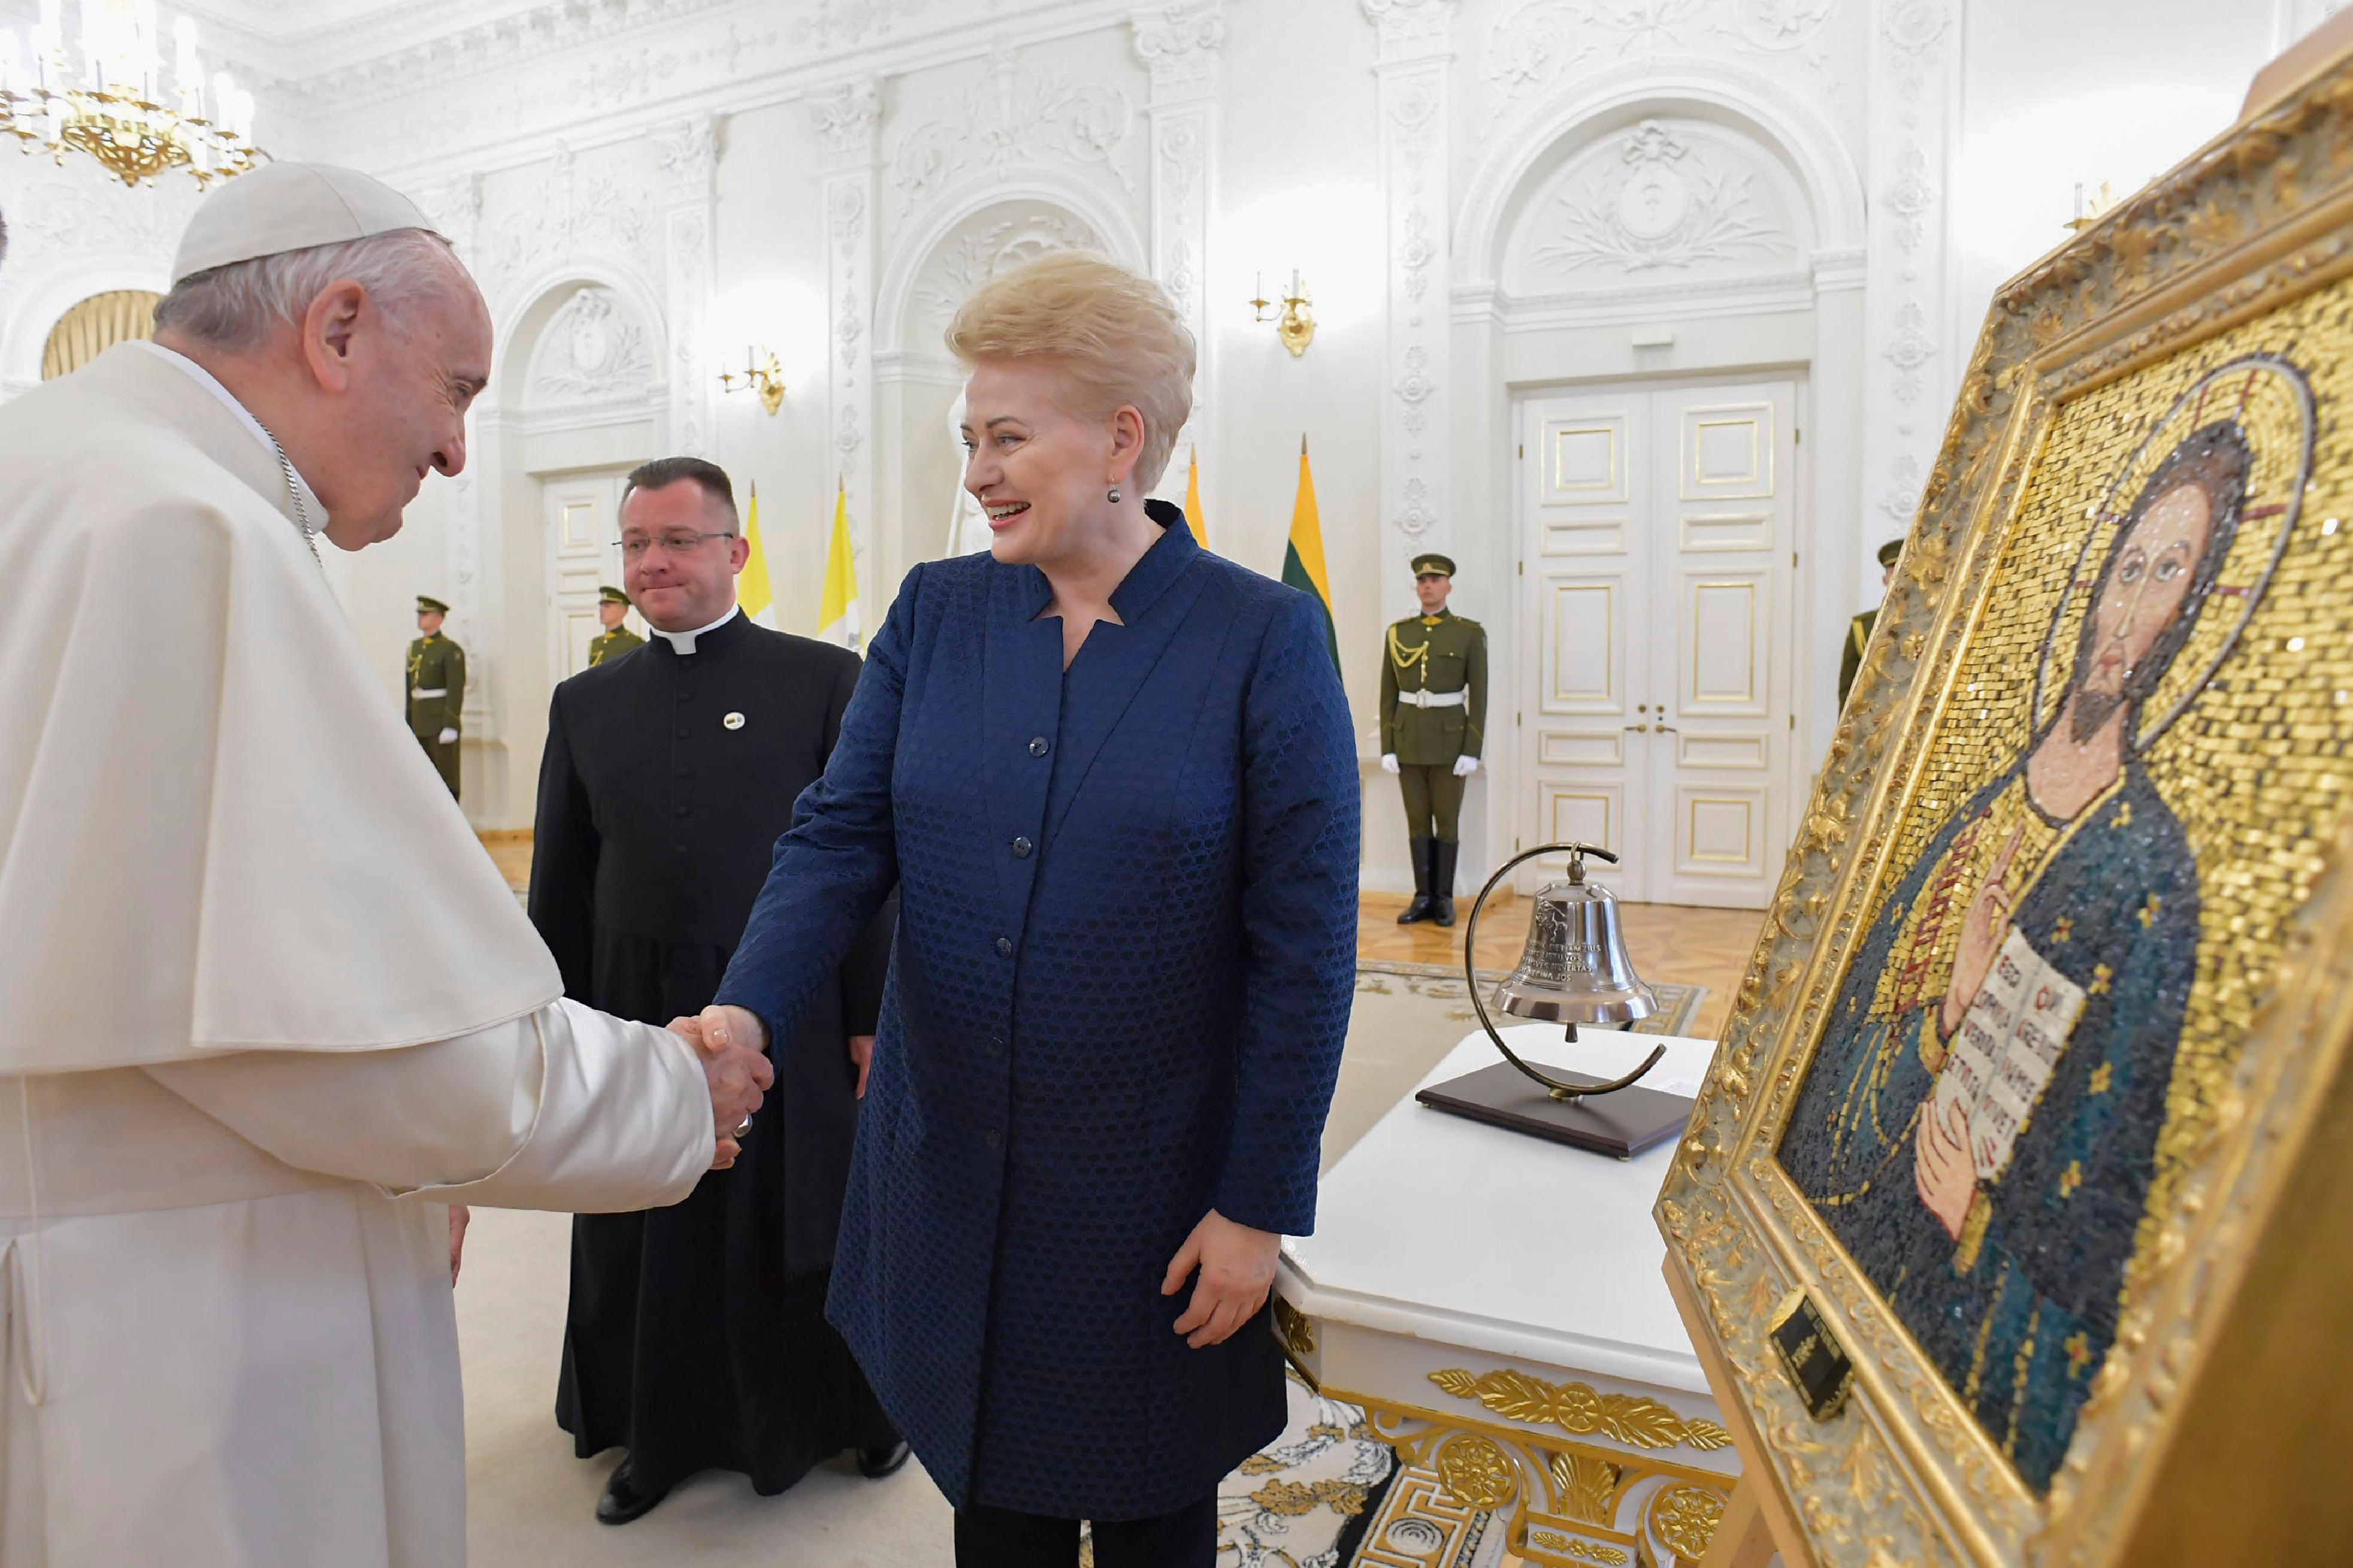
[(1388, 762), (449, 737), (1465, 766)]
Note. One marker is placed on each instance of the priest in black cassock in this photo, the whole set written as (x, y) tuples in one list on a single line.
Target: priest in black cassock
[(696, 1336)]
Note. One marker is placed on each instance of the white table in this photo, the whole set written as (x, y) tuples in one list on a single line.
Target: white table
[(1496, 1303)]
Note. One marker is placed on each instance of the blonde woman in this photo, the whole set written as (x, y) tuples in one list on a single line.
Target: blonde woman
[(1115, 779)]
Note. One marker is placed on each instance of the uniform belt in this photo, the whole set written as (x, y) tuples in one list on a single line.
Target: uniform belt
[(1433, 699), (430, 691)]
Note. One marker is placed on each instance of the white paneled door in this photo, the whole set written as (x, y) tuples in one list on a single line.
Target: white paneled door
[(1656, 557), (583, 553)]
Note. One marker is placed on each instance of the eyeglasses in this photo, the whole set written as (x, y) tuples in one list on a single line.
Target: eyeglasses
[(671, 543)]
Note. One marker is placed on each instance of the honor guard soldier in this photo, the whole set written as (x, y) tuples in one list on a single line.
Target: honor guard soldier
[(1858, 630), (436, 691), (616, 639), (1433, 719)]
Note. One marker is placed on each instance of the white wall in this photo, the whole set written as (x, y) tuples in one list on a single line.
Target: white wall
[(560, 150)]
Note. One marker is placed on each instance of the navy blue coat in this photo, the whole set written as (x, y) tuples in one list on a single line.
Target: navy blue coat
[(1126, 958)]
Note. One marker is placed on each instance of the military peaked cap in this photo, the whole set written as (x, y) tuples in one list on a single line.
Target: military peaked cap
[(612, 595), (426, 605), (1890, 551), (1432, 564)]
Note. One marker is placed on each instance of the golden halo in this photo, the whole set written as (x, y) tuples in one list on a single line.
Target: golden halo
[(2268, 398)]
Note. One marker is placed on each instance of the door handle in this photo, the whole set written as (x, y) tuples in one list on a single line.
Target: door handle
[(1637, 728), (1668, 730)]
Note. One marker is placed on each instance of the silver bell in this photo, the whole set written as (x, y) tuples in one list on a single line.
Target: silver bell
[(1574, 969)]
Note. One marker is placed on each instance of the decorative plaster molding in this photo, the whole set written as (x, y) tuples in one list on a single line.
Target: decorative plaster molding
[(1015, 115), (983, 249), (688, 151), (1641, 304), (1179, 44), (1915, 90), (924, 233), (597, 211), (1535, 44), (1664, 205), (591, 352), (1784, 123), (1416, 41), (1412, 29), (847, 119)]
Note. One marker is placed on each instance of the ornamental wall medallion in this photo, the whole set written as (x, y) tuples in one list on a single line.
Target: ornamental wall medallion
[(2052, 1005)]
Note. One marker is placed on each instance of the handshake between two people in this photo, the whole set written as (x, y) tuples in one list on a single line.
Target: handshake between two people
[(733, 1046)]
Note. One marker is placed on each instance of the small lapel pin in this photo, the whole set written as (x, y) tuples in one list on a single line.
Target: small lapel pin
[(734, 720)]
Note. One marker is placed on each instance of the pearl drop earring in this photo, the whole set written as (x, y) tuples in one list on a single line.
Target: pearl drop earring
[(1114, 497)]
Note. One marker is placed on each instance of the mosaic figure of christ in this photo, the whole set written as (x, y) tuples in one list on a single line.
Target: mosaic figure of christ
[(1979, 1121)]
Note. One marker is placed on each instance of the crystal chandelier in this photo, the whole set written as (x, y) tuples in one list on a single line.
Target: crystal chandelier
[(105, 91)]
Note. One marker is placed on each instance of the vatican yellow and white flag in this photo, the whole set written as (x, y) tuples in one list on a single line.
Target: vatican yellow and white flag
[(754, 590), (1193, 518), (837, 616)]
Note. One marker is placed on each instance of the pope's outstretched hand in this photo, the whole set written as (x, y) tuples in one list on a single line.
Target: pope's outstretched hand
[(737, 1068)]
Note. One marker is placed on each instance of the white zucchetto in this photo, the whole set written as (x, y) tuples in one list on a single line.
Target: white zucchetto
[(280, 207)]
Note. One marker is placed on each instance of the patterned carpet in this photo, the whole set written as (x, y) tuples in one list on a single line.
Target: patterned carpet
[(1329, 1494)]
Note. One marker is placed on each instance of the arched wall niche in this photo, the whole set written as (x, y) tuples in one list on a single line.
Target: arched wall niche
[(1658, 201), (940, 240), (1807, 148), (627, 305), (48, 292), (950, 252), (92, 326)]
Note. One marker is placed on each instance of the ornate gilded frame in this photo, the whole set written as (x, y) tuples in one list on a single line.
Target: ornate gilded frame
[(1901, 1474)]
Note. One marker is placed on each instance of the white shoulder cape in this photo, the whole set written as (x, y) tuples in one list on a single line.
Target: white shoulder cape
[(214, 833)]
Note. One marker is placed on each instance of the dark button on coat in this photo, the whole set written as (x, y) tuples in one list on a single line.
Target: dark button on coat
[(1182, 952)]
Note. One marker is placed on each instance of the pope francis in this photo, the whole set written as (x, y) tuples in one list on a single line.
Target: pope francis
[(266, 1009)]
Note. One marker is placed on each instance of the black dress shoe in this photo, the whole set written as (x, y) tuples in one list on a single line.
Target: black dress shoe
[(876, 1463), (624, 1499)]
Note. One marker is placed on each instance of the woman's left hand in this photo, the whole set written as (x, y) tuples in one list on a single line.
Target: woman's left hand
[(1237, 1269)]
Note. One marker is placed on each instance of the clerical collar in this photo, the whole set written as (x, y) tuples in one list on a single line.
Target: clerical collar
[(315, 516), (683, 642)]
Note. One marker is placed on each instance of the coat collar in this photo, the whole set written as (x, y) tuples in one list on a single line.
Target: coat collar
[(1145, 580), (134, 372), (716, 638)]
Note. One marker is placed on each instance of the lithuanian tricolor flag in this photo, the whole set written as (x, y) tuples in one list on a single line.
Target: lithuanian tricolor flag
[(1302, 563)]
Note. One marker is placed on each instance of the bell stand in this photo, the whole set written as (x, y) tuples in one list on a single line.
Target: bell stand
[(1554, 1087)]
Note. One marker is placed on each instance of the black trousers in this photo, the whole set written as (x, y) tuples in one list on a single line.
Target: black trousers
[(1000, 1538)]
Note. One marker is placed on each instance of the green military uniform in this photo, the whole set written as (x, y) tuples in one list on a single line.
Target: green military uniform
[(1433, 710), (437, 694), (1858, 630), (617, 642)]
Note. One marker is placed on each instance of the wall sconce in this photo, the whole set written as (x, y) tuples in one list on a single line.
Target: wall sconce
[(2091, 209), (765, 378), (1297, 325)]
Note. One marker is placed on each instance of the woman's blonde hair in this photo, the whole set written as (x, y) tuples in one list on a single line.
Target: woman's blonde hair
[(1114, 336)]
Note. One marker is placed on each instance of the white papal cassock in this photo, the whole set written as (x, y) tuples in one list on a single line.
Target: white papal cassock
[(266, 1009)]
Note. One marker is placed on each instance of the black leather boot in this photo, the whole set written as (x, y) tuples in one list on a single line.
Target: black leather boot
[(1420, 909), (1442, 854)]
